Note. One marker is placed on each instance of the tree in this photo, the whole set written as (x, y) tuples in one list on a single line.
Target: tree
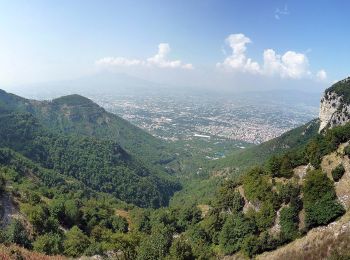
[(50, 244), (72, 213), (256, 185), (320, 200), (16, 233), (157, 245), (187, 216), (289, 221), (235, 229), (251, 245), (274, 165), (76, 242), (338, 172), (265, 217), (228, 198), (181, 250), (127, 244), (286, 167)]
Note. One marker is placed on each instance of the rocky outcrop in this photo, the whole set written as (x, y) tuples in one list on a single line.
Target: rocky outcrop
[(334, 110)]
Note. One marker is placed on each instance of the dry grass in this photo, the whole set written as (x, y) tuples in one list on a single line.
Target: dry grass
[(13, 252), (124, 214), (204, 209), (319, 243)]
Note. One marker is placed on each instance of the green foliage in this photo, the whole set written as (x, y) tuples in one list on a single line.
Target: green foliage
[(181, 250), (76, 242), (320, 201), (273, 165), (251, 245), (188, 216), (40, 218), (50, 244), (157, 245), (289, 221), (338, 172), (256, 185), (233, 233), (293, 140), (265, 217), (280, 166), (228, 199), (16, 233), (212, 225), (127, 244), (200, 242), (289, 193), (286, 169), (99, 163)]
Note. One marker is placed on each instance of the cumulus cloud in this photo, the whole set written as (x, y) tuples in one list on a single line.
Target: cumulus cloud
[(159, 60), (238, 60), (291, 64)]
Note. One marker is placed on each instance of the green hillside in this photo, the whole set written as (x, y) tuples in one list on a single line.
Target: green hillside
[(101, 165), (291, 140), (75, 114)]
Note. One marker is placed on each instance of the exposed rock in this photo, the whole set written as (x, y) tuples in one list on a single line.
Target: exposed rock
[(334, 107)]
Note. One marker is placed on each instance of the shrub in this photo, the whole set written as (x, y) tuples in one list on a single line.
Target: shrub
[(16, 233), (232, 235), (289, 223), (256, 185), (50, 244), (265, 217), (338, 172), (181, 250), (228, 199), (251, 245), (76, 242), (320, 201)]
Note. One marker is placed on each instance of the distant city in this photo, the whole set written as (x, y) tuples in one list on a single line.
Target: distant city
[(176, 118)]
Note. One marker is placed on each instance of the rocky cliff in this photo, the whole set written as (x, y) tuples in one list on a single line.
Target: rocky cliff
[(335, 105)]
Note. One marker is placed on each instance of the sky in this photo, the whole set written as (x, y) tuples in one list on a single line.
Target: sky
[(236, 44)]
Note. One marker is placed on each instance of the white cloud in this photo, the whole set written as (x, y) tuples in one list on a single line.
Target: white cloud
[(291, 64), (159, 60), (238, 60), (281, 12), (321, 75), (119, 61)]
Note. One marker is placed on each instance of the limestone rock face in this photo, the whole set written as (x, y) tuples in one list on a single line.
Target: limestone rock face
[(333, 110)]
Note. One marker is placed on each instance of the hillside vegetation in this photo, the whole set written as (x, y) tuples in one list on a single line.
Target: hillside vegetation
[(70, 187)]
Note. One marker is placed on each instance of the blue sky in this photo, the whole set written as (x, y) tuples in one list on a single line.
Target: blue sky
[(56, 40)]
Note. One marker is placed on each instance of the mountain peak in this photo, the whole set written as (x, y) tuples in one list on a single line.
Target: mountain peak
[(72, 100), (335, 105)]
